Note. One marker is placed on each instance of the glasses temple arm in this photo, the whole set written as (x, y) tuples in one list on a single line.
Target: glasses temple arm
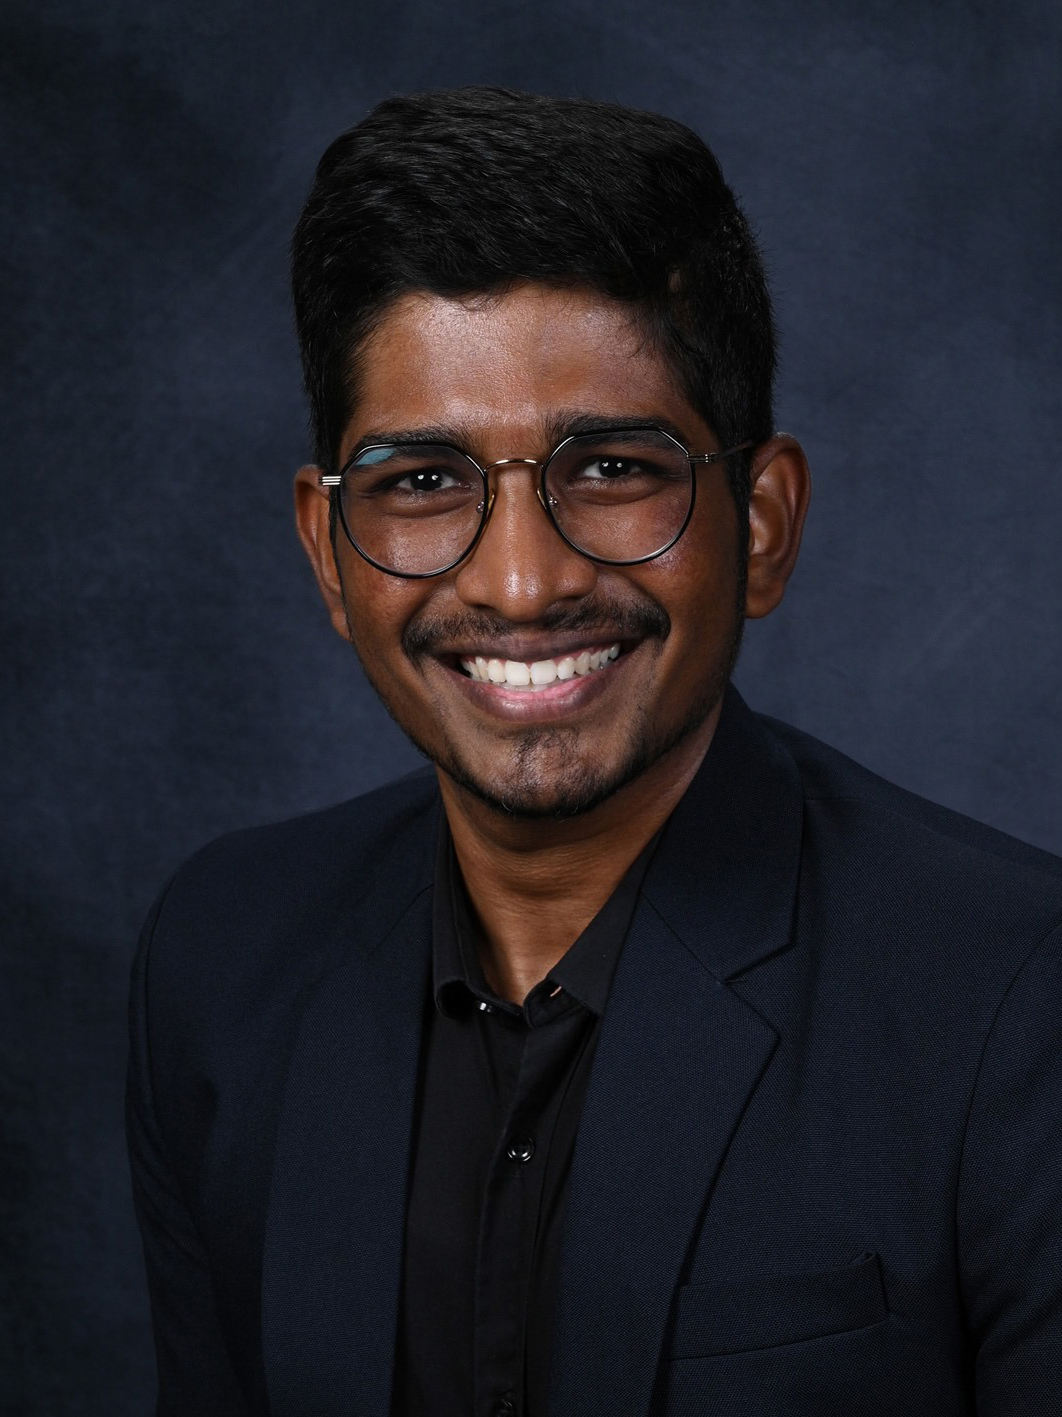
[(720, 456)]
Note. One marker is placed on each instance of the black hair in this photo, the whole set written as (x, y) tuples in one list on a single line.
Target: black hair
[(472, 190)]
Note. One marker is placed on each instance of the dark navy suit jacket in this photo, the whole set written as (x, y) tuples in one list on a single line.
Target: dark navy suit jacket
[(819, 1170)]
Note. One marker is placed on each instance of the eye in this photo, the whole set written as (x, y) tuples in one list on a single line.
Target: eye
[(610, 468), (601, 473), (427, 479), (405, 477), (617, 470)]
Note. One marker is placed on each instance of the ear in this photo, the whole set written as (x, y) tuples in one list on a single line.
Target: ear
[(311, 520), (781, 490)]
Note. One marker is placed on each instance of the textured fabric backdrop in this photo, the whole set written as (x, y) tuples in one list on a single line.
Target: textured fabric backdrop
[(168, 672)]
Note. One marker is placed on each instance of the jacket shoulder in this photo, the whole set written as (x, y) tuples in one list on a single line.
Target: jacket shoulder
[(280, 891), (829, 776), (903, 869), (328, 842), (922, 910)]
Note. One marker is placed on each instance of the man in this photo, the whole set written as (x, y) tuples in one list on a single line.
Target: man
[(645, 1057)]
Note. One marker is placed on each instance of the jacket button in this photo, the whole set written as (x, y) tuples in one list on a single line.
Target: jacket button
[(504, 1407), (520, 1149)]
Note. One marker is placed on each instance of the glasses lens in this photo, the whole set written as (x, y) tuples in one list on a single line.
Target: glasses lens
[(414, 509), (620, 496)]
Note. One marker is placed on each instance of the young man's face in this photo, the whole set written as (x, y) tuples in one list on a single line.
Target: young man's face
[(500, 375)]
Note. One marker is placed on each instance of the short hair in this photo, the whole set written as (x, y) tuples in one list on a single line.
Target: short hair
[(472, 190)]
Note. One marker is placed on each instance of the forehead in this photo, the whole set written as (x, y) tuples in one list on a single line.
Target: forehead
[(499, 368)]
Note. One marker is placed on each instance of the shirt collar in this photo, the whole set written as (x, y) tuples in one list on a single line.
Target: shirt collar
[(584, 973)]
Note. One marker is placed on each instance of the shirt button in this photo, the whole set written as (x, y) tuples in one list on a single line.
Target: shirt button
[(505, 1407), (520, 1149)]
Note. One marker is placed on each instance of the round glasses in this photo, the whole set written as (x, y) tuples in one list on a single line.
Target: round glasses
[(621, 497)]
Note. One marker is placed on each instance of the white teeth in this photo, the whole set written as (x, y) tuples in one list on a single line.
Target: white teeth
[(540, 673)]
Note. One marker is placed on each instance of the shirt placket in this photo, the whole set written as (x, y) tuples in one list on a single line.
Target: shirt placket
[(509, 1220)]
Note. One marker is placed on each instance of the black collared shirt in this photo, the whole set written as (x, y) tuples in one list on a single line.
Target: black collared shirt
[(501, 1093)]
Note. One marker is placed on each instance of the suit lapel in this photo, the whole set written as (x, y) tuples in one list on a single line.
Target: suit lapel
[(333, 1251), (679, 1057)]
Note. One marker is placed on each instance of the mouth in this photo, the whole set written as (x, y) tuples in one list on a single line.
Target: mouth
[(535, 675)]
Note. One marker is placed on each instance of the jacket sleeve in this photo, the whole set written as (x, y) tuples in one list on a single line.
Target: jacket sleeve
[(194, 1371), (1010, 1198)]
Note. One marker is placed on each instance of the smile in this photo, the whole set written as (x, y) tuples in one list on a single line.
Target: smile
[(538, 674)]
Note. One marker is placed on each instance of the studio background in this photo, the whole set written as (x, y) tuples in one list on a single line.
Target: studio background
[(168, 671)]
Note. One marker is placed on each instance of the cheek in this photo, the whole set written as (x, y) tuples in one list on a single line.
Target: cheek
[(378, 609), (696, 582), (713, 551)]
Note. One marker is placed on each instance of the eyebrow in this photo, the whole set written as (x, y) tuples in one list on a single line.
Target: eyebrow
[(571, 423), (566, 423)]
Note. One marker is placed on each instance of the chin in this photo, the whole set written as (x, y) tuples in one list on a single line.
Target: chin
[(544, 777), (539, 802)]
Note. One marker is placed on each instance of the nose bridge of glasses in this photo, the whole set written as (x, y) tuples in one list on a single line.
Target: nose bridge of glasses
[(488, 468), (505, 462)]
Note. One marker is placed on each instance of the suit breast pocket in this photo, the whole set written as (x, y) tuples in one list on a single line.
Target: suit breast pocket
[(765, 1311)]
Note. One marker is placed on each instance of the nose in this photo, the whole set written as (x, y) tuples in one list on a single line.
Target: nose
[(521, 565)]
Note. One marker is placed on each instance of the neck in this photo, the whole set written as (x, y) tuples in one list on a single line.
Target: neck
[(535, 884)]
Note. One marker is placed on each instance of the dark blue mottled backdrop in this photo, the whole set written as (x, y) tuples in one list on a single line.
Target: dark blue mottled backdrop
[(168, 673)]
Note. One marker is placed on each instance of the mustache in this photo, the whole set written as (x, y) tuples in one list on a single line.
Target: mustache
[(607, 620)]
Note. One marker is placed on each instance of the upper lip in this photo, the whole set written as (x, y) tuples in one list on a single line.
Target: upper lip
[(527, 650)]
